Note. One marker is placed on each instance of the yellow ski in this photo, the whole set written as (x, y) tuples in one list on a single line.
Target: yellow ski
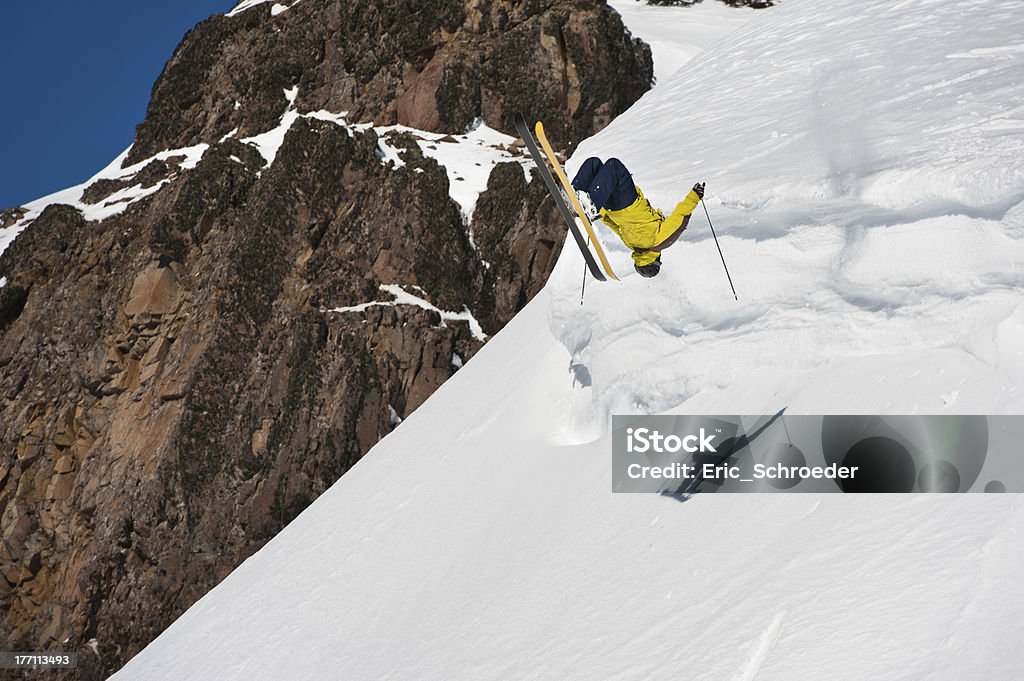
[(542, 138)]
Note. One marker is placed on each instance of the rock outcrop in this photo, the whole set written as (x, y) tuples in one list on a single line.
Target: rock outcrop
[(436, 65), (180, 380)]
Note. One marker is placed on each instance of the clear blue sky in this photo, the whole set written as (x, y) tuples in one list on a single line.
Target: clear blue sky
[(76, 77)]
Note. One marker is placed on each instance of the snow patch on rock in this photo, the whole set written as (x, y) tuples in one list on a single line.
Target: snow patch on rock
[(467, 158), (187, 159), (276, 9), (403, 297)]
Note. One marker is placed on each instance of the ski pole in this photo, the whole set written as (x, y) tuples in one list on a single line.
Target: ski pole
[(583, 289), (719, 249)]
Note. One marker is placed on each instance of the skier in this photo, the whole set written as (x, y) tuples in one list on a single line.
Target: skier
[(606, 190)]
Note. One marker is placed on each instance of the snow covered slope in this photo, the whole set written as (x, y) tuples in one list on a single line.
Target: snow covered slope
[(864, 172)]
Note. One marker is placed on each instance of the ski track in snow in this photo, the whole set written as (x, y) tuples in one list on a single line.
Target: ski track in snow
[(761, 648)]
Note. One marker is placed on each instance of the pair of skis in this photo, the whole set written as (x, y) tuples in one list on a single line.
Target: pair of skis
[(601, 272)]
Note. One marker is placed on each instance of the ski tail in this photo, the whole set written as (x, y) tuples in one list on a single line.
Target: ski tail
[(575, 201), (563, 208)]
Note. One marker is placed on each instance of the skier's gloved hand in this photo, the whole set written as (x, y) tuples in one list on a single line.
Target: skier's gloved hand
[(698, 189)]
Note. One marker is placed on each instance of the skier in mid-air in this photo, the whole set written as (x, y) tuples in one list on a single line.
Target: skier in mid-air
[(606, 190)]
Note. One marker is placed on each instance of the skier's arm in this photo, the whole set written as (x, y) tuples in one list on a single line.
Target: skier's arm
[(672, 228), (673, 237)]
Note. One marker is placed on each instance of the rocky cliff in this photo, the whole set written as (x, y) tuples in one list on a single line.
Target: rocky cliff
[(182, 372)]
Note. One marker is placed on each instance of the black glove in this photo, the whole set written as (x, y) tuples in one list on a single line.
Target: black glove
[(698, 189)]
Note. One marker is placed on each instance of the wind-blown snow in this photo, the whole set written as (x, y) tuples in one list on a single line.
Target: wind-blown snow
[(403, 297), (865, 179)]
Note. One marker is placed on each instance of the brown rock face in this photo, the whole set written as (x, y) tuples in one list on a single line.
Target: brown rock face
[(179, 381), (432, 64)]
